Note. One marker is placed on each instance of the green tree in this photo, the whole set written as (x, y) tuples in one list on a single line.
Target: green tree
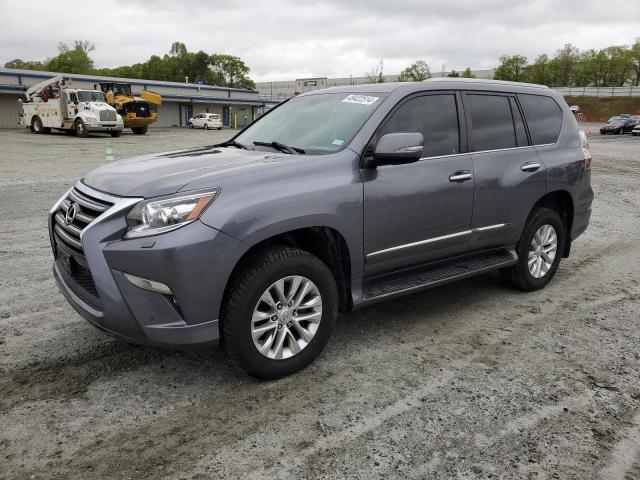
[(566, 60), (230, 71), (416, 72), (453, 74), (72, 60), (24, 64), (634, 57), (511, 68), (467, 73), (538, 71)]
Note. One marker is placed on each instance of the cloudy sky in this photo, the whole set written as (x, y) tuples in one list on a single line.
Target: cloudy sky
[(288, 39)]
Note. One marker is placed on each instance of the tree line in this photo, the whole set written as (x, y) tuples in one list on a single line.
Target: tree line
[(416, 72), (175, 66), (613, 66)]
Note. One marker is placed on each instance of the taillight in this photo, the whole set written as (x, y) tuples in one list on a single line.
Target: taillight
[(584, 144)]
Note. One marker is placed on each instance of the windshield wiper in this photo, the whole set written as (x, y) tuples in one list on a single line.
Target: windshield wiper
[(281, 146), (233, 143)]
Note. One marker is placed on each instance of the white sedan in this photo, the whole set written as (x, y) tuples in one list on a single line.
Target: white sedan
[(206, 121)]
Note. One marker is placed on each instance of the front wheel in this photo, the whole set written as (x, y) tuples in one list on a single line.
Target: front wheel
[(539, 250), (80, 129), (206, 127), (139, 130), (279, 312), (116, 133)]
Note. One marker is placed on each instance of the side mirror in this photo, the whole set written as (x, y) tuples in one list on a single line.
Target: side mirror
[(398, 149)]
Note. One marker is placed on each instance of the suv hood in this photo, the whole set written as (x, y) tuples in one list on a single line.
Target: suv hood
[(168, 173)]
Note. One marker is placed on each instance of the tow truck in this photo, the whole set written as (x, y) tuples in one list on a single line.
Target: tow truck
[(53, 104)]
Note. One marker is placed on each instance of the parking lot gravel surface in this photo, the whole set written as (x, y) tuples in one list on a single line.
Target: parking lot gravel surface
[(470, 380)]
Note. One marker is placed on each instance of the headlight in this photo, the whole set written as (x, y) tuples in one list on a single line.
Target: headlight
[(160, 215)]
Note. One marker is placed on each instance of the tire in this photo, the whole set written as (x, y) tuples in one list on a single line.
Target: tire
[(36, 125), (206, 127), (116, 133), (80, 129), (190, 125), (520, 275), (139, 130), (621, 131), (219, 128), (254, 278)]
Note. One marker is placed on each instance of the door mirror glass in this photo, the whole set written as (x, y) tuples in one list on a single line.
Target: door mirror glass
[(398, 148)]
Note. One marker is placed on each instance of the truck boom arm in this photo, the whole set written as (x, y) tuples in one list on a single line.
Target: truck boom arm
[(36, 89)]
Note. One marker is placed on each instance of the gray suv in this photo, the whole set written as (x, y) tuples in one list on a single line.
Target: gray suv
[(333, 200)]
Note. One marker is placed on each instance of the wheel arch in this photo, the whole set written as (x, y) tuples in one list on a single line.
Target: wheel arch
[(560, 201), (325, 242)]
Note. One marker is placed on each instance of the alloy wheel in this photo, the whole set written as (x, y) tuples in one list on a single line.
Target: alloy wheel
[(542, 251), (287, 317)]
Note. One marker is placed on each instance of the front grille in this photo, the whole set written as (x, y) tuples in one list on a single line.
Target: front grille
[(66, 229), (107, 115)]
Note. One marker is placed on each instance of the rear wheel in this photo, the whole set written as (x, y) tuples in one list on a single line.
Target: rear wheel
[(36, 125), (206, 127), (139, 130), (80, 129), (279, 312), (539, 250)]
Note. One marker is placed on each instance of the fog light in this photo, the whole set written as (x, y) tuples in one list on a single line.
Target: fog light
[(147, 284)]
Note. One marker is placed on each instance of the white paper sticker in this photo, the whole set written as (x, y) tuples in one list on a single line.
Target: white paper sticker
[(337, 142), (361, 99)]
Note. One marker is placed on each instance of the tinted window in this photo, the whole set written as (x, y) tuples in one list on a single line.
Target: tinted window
[(491, 122), (435, 116), (521, 132), (544, 118)]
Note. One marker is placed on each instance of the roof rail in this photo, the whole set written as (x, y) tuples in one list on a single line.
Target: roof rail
[(484, 80)]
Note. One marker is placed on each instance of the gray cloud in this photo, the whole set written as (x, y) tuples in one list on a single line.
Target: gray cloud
[(285, 39)]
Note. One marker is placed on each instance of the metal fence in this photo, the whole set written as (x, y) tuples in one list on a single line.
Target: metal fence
[(627, 91)]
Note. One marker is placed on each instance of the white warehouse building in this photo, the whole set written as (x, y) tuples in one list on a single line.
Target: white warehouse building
[(180, 101)]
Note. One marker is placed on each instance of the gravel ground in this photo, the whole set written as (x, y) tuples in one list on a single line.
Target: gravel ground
[(470, 380)]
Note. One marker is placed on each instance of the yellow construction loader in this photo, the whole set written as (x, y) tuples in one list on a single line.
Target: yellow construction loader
[(137, 112)]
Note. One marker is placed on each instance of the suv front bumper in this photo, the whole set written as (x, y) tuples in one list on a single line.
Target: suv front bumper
[(195, 261)]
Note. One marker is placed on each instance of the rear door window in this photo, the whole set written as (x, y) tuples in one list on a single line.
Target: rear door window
[(492, 125), (435, 116), (544, 118)]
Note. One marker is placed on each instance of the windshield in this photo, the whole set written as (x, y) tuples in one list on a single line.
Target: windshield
[(614, 119), (90, 96), (317, 124), (122, 89)]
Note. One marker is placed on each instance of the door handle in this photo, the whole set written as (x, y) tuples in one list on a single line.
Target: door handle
[(461, 176), (530, 167)]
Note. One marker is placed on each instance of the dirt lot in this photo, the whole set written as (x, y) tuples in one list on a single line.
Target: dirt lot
[(471, 380)]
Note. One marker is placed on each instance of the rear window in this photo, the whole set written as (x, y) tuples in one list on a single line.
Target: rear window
[(491, 122), (544, 118)]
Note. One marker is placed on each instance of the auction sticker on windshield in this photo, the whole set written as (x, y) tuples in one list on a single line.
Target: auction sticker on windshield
[(361, 99)]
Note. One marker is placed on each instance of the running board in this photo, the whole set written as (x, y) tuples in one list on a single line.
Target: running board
[(429, 276)]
